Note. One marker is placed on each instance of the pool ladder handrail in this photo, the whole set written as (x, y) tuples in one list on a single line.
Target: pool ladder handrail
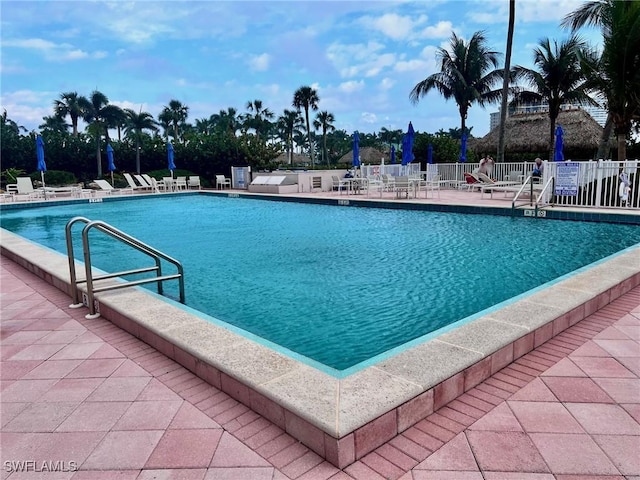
[(530, 190), (90, 278)]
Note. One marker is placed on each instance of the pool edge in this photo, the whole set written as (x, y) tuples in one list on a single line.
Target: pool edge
[(357, 417)]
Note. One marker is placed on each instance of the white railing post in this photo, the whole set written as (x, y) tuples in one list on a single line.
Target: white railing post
[(599, 170)]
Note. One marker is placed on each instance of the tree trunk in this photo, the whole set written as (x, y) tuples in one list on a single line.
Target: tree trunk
[(505, 83), (622, 147), (138, 155), (604, 147), (306, 113), (98, 157), (552, 129)]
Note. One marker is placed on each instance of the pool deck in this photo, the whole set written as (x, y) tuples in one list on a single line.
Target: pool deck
[(85, 391)]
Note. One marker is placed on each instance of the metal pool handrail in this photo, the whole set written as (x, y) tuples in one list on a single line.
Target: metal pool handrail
[(126, 239)]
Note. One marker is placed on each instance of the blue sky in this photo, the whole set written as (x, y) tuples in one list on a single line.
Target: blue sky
[(363, 57)]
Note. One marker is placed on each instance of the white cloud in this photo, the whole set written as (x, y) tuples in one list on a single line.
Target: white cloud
[(54, 52), (259, 63), (440, 30), (351, 86), (411, 65), (387, 83), (360, 59), (394, 26), (368, 117)]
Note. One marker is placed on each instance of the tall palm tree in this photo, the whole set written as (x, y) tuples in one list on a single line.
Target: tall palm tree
[(558, 79), (258, 117), (226, 121), (615, 74), (98, 114), (505, 81), (164, 120), (289, 124), (307, 98), (324, 120), (70, 104), (136, 123), (54, 123), (468, 72), (177, 113)]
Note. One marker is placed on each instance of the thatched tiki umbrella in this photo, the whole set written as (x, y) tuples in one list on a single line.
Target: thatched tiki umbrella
[(529, 133), (368, 155)]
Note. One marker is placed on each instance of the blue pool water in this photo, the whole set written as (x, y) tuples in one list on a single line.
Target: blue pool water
[(337, 285)]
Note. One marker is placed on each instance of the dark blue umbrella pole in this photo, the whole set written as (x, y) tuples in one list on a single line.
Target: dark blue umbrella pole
[(356, 149), (407, 145), (42, 166), (172, 166), (463, 148), (110, 166), (558, 155)]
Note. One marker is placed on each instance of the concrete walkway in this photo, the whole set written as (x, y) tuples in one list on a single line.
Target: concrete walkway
[(83, 399)]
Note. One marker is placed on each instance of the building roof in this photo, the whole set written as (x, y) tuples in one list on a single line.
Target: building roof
[(529, 132)]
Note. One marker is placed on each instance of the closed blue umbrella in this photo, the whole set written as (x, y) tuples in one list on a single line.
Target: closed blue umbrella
[(430, 154), (110, 165), (172, 166), (463, 148), (558, 155), (356, 149), (393, 154), (42, 166), (407, 145)]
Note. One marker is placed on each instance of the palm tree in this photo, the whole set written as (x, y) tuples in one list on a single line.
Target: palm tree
[(505, 81), (136, 123), (466, 75), (98, 114), (289, 124), (307, 98), (54, 123), (324, 120), (559, 79), (226, 121), (615, 73), (70, 103), (259, 121), (177, 113)]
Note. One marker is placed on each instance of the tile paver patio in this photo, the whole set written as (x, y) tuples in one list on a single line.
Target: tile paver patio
[(84, 391)]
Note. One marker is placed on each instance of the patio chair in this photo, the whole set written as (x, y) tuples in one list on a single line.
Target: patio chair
[(132, 184), (144, 183), (222, 182), (433, 185), (194, 182), (181, 183), (24, 189), (338, 184), (402, 186), (107, 189)]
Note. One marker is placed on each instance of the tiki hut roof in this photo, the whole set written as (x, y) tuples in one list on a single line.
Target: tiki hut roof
[(530, 133), (368, 155), (298, 159)]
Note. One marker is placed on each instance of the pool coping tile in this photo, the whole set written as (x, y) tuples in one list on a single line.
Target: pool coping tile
[(343, 419)]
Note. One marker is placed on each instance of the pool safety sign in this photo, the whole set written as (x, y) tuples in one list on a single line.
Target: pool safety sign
[(567, 176)]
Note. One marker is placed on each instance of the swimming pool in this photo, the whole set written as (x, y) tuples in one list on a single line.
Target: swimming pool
[(337, 285)]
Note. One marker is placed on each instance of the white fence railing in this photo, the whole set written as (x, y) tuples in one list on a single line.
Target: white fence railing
[(598, 181)]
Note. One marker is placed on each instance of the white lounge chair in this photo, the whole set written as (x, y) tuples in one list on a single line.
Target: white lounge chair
[(107, 188), (222, 182), (25, 190), (132, 184), (146, 184)]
